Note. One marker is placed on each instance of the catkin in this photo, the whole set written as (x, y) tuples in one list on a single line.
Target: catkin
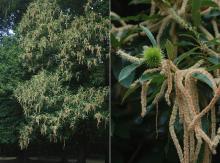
[(173, 134), (144, 89), (186, 106), (166, 70)]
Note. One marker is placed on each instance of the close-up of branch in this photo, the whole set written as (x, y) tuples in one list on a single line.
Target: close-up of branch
[(178, 45)]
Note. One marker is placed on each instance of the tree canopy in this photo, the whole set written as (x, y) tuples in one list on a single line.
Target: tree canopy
[(53, 69)]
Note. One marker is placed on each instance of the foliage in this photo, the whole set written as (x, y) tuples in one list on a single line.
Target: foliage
[(55, 111), (169, 93), (11, 75), (52, 73), (61, 54), (41, 34), (10, 67)]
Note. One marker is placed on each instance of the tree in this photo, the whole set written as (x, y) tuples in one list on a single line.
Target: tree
[(65, 60), (53, 81)]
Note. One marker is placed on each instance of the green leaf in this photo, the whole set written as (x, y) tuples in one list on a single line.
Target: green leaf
[(213, 14), (128, 80), (215, 41), (141, 17), (208, 3), (170, 48), (212, 68), (149, 35), (214, 59), (185, 55), (132, 88), (196, 4), (126, 71), (148, 76), (203, 78)]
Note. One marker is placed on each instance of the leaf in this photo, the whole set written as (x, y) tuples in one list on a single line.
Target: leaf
[(214, 59), (208, 3), (132, 88), (149, 35), (148, 76), (213, 14), (215, 41), (170, 48), (126, 71), (189, 36), (185, 55), (214, 67), (203, 78), (128, 80), (196, 4), (141, 17)]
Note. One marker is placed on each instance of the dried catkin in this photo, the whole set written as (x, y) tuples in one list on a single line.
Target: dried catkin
[(186, 143), (183, 85), (205, 138), (187, 98), (192, 146), (207, 108), (206, 157), (213, 123), (198, 147), (166, 70), (173, 134), (144, 89)]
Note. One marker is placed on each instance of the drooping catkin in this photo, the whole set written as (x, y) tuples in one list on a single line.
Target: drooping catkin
[(173, 134), (198, 147), (213, 123), (166, 70), (186, 101), (191, 146), (205, 137), (186, 143), (206, 157), (186, 106), (207, 108), (144, 90)]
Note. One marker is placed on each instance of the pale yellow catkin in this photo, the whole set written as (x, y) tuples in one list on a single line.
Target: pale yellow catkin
[(186, 143), (173, 134), (206, 110), (144, 90), (166, 70)]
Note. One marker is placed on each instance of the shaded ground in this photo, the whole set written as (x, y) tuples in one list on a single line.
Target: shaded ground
[(44, 160)]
